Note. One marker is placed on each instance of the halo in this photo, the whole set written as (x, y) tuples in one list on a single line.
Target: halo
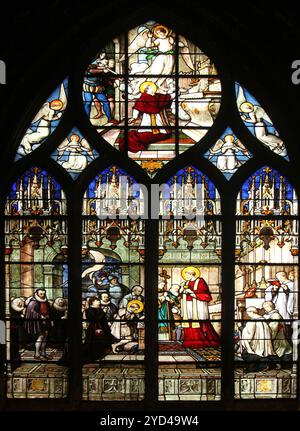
[(147, 84), (56, 104), (161, 27), (190, 268), (140, 304), (229, 135), (246, 106)]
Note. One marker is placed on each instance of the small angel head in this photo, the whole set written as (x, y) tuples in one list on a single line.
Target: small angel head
[(161, 31), (229, 138), (247, 107), (74, 138), (56, 104)]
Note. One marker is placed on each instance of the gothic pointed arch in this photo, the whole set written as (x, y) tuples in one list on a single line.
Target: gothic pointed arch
[(149, 314), (36, 286)]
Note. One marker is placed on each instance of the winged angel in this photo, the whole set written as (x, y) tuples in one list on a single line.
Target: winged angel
[(50, 111), (78, 149), (255, 114), (155, 50), (226, 149)]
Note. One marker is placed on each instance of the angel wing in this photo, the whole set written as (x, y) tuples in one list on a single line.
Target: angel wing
[(138, 42), (84, 143), (240, 98), (43, 112), (45, 109), (261, 114), (216, 148), (240, 146), (61, 148), (63, 96), (184, 52)]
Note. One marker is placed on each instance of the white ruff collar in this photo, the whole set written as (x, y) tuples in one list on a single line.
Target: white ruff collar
[(59, 307), (39, 299)]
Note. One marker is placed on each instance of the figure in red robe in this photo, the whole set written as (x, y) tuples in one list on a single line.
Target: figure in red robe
[(197, 329), (154, 125)]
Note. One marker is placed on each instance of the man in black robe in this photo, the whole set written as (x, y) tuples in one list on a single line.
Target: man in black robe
[(37, 322), (98, 338)]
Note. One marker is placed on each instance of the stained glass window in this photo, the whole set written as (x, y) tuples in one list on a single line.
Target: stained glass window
[(258, 122), (36, 285), (228, 153), (113, 288), (116, 190), (189, 288), (74, 154), (45, 121), (152, 94), (266, 287)]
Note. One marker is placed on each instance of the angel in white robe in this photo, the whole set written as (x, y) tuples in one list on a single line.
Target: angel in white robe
[(225, 149), (256, 115), (50, 111), (160, 44), (79, 150)]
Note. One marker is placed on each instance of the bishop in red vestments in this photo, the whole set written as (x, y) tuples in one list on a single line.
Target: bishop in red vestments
[(151, 106), (198, 330)]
